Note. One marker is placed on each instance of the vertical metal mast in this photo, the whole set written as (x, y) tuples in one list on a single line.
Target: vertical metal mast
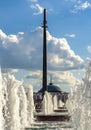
[(44, 53)]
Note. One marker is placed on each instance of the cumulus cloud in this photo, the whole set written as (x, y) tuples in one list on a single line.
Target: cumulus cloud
[(34, 75), (65, 80), (61, 54), (89, 49), (24, 50), (8, 70)]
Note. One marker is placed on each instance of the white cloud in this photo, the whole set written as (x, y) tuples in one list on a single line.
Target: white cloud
[(24, 51), (81, 6), (61, 54), (89, 49), (70, 35), (38, 8), (65, 80), (34, 75), (9, 70), (27, 53), (85, 5), (77, 1), (2, 35), (33, 0)]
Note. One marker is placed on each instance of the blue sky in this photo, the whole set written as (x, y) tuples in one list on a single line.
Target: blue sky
[(69, 40)]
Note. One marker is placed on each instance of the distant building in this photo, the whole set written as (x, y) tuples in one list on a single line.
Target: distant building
[(53, 90)]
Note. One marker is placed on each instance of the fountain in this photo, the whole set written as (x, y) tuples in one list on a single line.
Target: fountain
[(55, 102), (79, 103), (31, 108), (17, 107), (47, 104), (12, 104), (2, 120), (23, 106), (16, 111)]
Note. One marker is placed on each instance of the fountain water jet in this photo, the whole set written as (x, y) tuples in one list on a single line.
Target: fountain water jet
[(2, 120), (12, 117), (55, 102), (31, 108), (16, 106), (47, 104), (79, 103), (23, 107)]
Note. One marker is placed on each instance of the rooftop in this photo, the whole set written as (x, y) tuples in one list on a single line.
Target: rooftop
[(51, 88)]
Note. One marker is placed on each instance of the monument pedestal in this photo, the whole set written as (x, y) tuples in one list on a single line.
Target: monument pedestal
[(56, 117)]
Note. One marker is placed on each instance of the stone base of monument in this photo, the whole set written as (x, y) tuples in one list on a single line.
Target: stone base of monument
[(57, 117), (60, 110)]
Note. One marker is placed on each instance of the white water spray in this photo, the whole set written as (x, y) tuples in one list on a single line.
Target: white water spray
[(47, 104), (55, 102), (2, 121), (31, 108), (12, 118), (16, 106), (60, 103), (23, 106), (79, 103)]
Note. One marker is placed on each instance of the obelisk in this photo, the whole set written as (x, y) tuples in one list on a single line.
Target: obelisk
[(44, 53)]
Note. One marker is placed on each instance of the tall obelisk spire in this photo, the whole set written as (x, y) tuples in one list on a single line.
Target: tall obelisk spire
[(44, 53)]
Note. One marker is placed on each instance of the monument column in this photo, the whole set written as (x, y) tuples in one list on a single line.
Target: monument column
[(44, 53)]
